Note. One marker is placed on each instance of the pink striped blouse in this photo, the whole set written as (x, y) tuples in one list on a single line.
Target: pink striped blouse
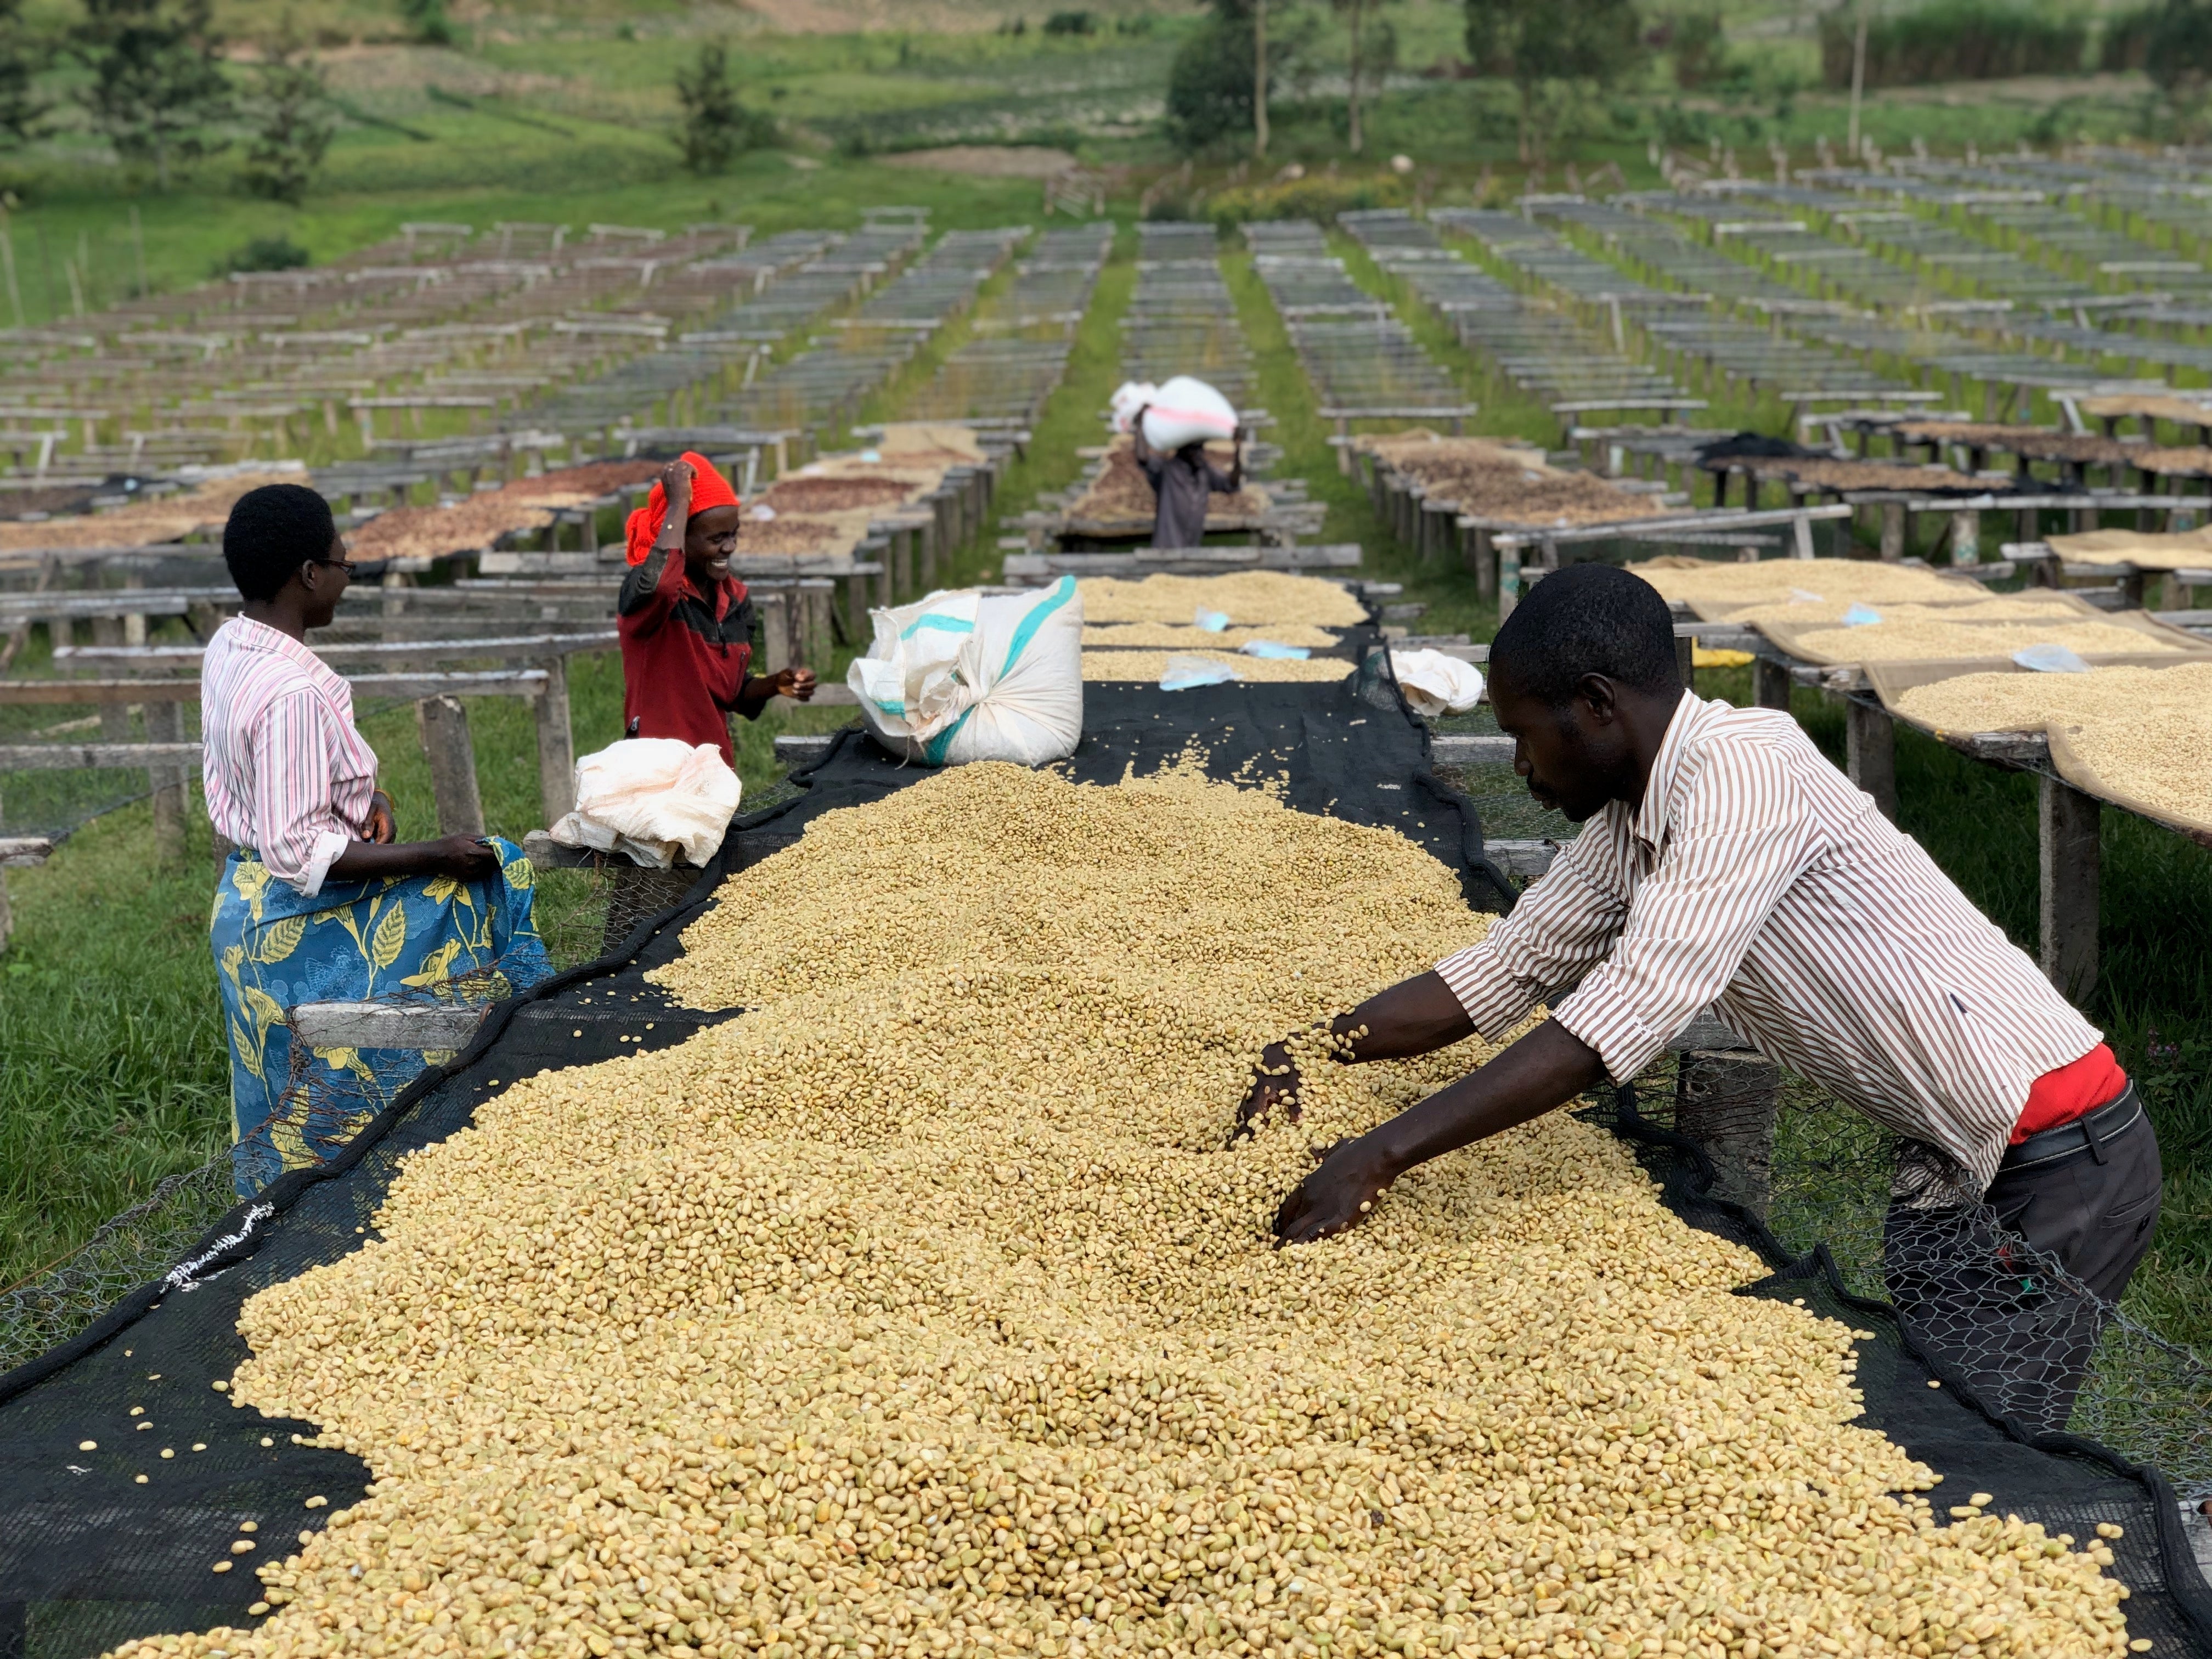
[(286, 772), (1755, 877)]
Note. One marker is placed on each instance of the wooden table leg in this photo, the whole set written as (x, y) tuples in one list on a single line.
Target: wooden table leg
[(1966, 537), (2069, 860), (165, 724), (444, 724), (1870, 744), (557, 743), (1769, 684), (776, 629)]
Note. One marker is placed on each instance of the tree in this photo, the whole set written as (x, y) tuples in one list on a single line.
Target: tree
[(1382, 54), (2177, 51), (1210, 84), (1543, 43), (1217, 84), (157, 81), (292, 103), (717, 128), (22, 111), (1259, 78), (1701, 46), (429, 20)]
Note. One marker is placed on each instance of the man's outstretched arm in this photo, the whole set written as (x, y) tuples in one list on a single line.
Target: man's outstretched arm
[(1544, 1070)]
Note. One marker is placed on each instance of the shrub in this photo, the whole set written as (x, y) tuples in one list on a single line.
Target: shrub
[(717, 128), (2177, 53), (264, 253), (2124, 42), (428, 21), (294, 125), (1700, 49), (1548, 49), (1953, 40), (1071, 23), (1210, 85), (1306, 199)]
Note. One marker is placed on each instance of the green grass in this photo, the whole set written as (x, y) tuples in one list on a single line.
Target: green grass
[(114, 1073)]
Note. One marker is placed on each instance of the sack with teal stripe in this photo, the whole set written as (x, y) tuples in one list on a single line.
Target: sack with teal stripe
[(963, 675)]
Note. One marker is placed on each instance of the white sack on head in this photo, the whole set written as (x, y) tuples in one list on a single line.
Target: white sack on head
[(1185, 410), (649, 799), (1130, 397)]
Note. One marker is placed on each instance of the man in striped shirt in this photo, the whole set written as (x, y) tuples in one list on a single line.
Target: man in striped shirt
[(1726, 863)]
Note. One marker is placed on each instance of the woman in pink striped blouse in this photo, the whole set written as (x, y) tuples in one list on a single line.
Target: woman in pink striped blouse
[(319, 901)]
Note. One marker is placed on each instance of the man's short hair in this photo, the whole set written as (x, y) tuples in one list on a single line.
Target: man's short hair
[(1587, 619), (271, 534)]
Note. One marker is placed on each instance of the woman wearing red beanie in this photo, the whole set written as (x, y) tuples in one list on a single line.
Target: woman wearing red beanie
[(685, 623)]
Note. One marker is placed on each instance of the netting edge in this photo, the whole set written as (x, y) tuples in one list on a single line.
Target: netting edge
[(1689, 1186)]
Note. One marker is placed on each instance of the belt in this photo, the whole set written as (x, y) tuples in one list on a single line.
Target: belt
[(2086, 1133)]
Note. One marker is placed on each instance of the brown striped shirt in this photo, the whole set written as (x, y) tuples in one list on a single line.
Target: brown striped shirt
[(1756, 880)]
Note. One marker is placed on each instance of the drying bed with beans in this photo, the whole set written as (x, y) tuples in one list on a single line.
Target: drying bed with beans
[(478, 520), (1713, 587), (1999, 608), (1507, 482), (1119, 492), (2146, 733), (1928, 640), (2189, 549), (923, 1311), (1178, 637), (146, 522), (1153, 665), (1248, 598)]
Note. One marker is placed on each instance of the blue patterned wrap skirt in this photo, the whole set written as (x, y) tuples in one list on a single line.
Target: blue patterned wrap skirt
[(411, 939)]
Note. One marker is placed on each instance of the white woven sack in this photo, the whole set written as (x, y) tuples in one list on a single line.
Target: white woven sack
[(649, 799), (1184, 411), (961, 675), (1435, 684), (1129, 397)]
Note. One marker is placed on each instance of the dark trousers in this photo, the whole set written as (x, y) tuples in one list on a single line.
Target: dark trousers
[(2010, 1296)]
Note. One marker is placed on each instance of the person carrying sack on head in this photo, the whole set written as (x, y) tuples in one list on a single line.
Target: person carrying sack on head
[(1183, 482), (685, 625), (1726, 863)]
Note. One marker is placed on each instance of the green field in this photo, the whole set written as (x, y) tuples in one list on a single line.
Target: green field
[(550, 112), (112, 1063)]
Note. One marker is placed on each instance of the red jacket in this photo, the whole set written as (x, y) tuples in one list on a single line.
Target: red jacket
[(684, 654)]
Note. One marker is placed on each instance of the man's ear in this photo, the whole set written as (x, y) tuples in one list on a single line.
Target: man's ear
[(1601, 695)]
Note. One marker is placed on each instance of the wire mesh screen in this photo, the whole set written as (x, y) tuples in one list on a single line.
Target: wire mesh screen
[(2031, 1341), (55, 801), (127, 1251)]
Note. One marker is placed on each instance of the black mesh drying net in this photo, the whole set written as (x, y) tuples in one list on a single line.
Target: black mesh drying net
[(90, 1554), (1976, 1411)]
